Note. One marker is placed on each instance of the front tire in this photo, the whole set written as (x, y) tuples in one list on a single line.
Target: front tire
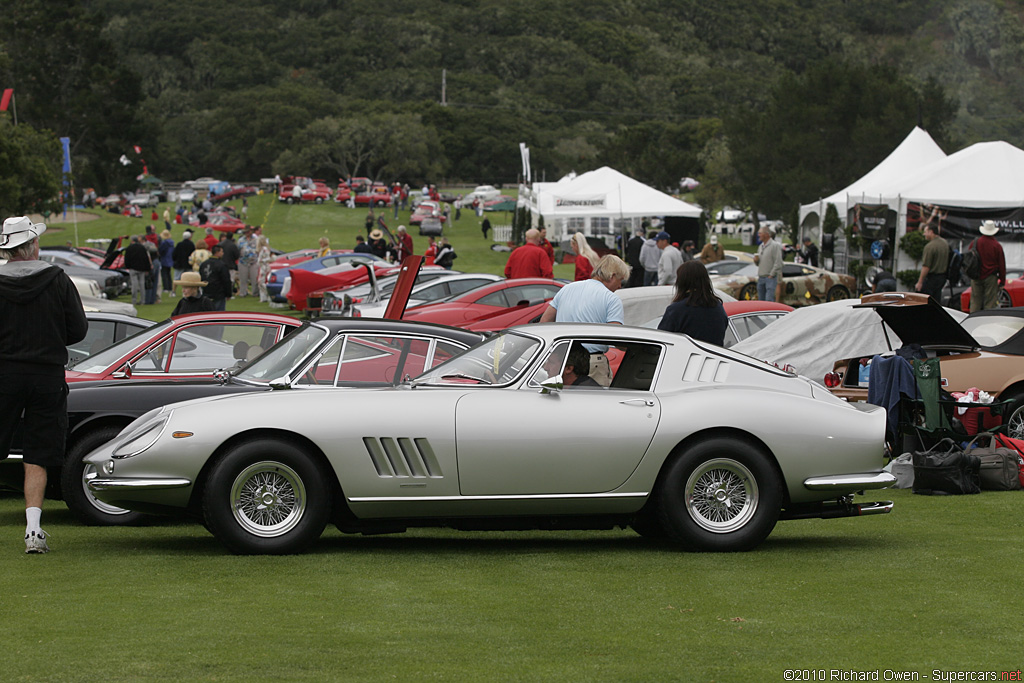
[(748, 293), (1014, 420), (267, 497), (720, 495), (75, 475)]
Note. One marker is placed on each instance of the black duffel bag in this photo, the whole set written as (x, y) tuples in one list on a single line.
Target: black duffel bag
[(944, 469)]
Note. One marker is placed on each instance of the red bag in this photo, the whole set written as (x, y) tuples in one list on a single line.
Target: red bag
[(979, 418), (1017, 446)]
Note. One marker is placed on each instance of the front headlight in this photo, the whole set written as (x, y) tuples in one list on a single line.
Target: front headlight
[(135, 440)]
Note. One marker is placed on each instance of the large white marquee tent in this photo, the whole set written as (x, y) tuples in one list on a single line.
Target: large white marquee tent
[(600, 202), (918, 150)]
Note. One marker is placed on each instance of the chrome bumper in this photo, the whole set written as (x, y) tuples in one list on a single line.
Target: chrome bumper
[(850, 482), (138, 484)]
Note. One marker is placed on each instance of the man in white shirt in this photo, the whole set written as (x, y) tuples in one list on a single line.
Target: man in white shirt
[(670, 259)]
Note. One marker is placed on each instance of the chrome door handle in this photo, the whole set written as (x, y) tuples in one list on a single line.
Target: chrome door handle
[(644, 401)]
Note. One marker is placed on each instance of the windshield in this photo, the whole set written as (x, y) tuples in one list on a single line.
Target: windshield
[(105, 358), (992, 330), (283, 356), (498, 360)]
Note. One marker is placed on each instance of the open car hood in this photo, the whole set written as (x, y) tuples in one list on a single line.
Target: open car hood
[(916, 318)]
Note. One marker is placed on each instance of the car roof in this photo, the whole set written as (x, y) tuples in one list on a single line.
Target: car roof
[(338, 325)]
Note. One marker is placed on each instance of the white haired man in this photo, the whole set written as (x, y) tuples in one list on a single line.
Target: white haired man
[(593, 301), (42, 314)]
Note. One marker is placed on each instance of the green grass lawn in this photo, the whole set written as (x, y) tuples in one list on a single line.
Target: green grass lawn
[(934, 585)]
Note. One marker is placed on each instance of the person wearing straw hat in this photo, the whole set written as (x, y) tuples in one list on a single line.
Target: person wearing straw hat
[(192, 299), (985, 290), (42, 314)]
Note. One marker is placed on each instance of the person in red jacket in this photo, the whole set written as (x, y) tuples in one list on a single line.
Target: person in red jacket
[(545, 245), (985, 290), (529, 260)]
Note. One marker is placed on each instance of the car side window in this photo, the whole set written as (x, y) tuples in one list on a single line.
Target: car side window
[(495, 299), (622, 365), (530, 293), (204, 348), (432, 293), (460, 286)]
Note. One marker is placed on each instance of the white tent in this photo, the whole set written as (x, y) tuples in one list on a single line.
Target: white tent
[(986, 175), (983, 176), (601, 202), (917, 150)]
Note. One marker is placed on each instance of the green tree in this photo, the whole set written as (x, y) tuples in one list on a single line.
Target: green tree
[(826, 128), (30, 163), (68, 78)]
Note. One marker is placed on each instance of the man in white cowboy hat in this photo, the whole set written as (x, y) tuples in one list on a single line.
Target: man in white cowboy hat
[(192, 299), (41, 314), (985, 290)]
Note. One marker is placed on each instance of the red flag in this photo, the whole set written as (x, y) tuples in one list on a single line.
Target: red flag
[(138, 150), (6, 99)]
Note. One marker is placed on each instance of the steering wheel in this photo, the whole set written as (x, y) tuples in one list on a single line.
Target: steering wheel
[(311, 376)]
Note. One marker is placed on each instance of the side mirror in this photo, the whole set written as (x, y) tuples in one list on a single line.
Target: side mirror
[(281, 383), (552, 385), (123, 372)]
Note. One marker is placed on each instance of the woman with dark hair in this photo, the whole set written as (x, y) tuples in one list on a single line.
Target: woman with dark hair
[(695, 310)]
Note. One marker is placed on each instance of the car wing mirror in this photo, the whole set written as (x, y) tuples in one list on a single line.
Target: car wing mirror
[(123, 372), (552, 385), (281, 383)]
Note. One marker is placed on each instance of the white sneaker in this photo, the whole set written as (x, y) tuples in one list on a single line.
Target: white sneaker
[(35, 542)]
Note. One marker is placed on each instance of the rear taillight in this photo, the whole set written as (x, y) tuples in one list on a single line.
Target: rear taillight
[(356, 314), (833, 380), (272, 277)]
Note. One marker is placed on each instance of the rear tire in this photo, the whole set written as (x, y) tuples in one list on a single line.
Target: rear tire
[(720, 495), (267, 497), (1014, 420), (76, 472), (838, 293), (748, 292)]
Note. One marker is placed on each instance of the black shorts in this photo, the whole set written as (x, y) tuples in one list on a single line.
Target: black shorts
[(44, 403)]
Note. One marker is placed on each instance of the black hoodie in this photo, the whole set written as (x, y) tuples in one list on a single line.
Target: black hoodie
[(40, 314)]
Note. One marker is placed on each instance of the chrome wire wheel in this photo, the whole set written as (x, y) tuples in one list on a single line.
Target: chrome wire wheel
[(1015, 424), (268, 499), (721, 495)]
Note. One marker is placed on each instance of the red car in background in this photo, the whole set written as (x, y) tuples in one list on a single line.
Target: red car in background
[(1010, 295), (220, 222), (193, 345), (378, 196), (237, 191), (359, 184), (303, 190), (427, 209), (342, 194), (487, 301), (306, 281)]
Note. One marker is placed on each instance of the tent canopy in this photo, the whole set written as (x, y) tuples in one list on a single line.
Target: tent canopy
[(606, 192), (984, 175), (917, 150)]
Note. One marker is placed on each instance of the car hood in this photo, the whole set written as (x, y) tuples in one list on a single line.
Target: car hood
[(927, 324)]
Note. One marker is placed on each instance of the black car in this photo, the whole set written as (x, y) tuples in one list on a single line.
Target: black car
[(105, 329), (320, 355)]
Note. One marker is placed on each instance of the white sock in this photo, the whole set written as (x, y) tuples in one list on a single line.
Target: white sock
[(32, 516)]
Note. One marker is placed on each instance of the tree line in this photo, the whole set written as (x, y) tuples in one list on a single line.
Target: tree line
[(768, 102)]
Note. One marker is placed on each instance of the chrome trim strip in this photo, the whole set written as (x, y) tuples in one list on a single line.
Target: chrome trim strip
[(850, 482), (540, 496), (137, 484)]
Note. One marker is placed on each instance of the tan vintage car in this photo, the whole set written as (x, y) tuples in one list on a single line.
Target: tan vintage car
[(985, 350)]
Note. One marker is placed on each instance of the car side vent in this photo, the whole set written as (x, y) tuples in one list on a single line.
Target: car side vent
[(403, 457), (701, 368)]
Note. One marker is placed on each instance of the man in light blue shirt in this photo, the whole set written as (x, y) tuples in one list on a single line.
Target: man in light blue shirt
[(592, 301)]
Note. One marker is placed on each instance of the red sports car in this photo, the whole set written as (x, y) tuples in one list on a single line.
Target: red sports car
[(485, 301), (378, 196), (305, 281), (237, 191), (317, 193), (220, 222), (427, 209), (193, 345), (1010, 295)]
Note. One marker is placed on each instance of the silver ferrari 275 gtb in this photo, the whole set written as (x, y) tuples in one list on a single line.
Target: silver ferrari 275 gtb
[(554, 426)]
